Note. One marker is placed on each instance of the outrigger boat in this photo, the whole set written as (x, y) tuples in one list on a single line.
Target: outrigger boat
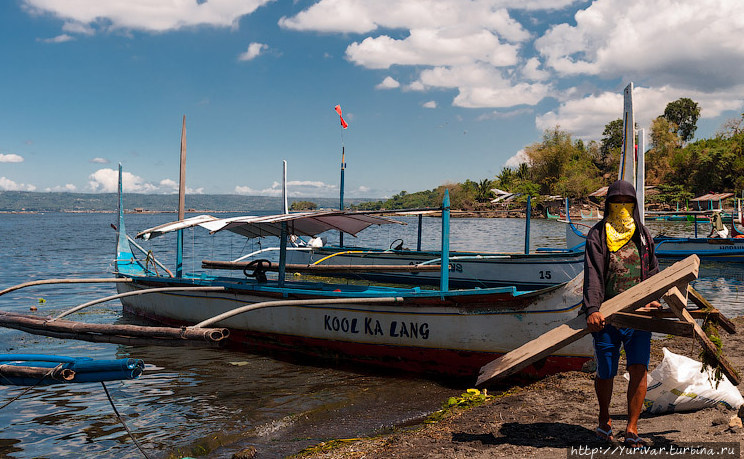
[(526, 270), (437, 331), (730, 249)]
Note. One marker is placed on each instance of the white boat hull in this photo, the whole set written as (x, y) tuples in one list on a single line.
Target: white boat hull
[(454, 336), (525, 272)]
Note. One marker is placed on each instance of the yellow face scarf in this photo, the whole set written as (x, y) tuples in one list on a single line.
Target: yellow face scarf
[(620, 225)]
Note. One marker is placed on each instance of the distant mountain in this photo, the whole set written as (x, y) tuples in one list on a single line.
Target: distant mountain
[(18, 201)]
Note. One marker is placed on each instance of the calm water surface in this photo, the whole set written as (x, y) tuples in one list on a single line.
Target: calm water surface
[(191, 401)]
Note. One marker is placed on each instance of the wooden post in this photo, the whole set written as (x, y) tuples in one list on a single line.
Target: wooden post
[(527, 226), (678, 302), (418, 240), (283, 235), (723, 321)]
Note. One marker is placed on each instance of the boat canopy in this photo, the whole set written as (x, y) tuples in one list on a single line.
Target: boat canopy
[(301, 224), (175, 226)]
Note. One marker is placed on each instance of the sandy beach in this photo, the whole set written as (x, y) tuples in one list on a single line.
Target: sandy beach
[(548, 417)]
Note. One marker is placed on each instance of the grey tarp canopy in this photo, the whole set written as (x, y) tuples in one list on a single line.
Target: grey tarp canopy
[(301, 224)]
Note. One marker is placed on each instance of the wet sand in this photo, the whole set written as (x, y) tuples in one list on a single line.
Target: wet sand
[(547, 417)]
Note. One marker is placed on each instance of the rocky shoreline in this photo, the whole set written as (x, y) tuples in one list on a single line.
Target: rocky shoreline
[(547, 418)]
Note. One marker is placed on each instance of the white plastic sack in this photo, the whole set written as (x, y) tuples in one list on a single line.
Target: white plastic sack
[(677, 384)]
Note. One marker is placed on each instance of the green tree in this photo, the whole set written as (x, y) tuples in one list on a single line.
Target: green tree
[(612, 138), (561, 167), (303, 205), (684, 113), (523, 172), (504, 179), (483, 191), (664, 152)]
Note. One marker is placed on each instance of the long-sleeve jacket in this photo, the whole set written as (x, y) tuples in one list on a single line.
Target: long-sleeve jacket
[(597, 255)]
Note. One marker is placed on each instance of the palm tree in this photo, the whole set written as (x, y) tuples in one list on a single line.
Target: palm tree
[(483, 191)]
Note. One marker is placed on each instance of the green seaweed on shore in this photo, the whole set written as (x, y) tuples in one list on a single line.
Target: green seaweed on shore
[(325, 446), (710, 361), (468, 399)]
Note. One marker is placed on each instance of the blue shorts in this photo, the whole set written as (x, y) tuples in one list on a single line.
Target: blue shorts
[(637, 345)]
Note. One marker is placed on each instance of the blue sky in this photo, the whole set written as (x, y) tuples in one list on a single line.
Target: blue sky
[(434, 91)]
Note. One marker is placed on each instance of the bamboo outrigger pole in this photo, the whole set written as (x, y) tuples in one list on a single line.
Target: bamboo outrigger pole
[(54, 327), (64, 281)]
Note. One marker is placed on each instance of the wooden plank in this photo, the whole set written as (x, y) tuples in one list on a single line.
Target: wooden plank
[(240, 265), (652, 324), (677, 303), (697, 314), (635, 297), (723, 321)]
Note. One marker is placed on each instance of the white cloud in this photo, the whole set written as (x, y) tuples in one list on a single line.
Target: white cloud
[(388, 83), (363, 16), (147, 15), (680, 43), (456, 46), (430, 104), (106, 181), (532, 70), (585, 117), (483, 86), (169, 184), (100, 161), (505, 115), (519, 158), (452, 36), (11, 158), (78, 28), (7, 184), (58, 39), (69, 188), (295, 188), (253, 51), (416, 86)]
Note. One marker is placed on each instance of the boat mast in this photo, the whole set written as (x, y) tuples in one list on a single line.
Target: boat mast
[(341, 197), (627, 166), (181, 201), (344, 125), (632, 166)]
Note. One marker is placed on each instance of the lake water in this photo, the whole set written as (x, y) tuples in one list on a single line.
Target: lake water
[(216, 402)]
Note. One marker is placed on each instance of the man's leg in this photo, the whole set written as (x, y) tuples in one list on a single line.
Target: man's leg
[(603, 388), (607, 354), (637, 345), (636, 395)]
